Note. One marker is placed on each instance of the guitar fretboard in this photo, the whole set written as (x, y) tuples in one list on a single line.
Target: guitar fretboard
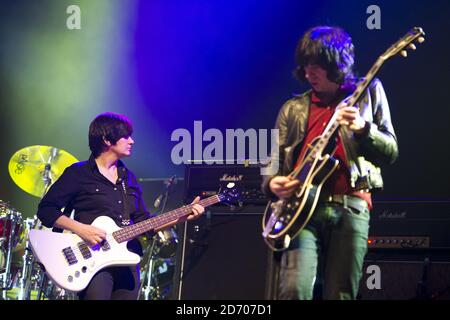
[(130, 232), (333, 125)]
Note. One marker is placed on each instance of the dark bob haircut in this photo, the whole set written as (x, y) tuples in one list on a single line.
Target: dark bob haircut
[(329, 47), (108, 126)]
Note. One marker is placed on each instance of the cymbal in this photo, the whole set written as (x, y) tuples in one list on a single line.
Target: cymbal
[(34, 169)]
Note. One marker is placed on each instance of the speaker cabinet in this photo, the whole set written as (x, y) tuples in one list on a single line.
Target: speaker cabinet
[(405, 277), (225, 257)]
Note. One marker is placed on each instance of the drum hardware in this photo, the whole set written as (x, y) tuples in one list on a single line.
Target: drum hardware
[(161, 249), (41, 282), (147, 291), (48, 290), (167, 241), (156, 276), (34, 169), (27, 265), (10, 225)]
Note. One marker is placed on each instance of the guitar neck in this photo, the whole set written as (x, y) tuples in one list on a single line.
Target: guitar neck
[(362, 85), (399, 47), (333, 124), (131, 232)]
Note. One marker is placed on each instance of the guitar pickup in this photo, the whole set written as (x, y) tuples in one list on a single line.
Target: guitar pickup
[(84, 249), (105, 245), (69, 255)]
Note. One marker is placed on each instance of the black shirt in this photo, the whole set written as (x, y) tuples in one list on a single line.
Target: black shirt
[(82, 187)]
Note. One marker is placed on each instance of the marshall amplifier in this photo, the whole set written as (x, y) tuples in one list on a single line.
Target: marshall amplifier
[(205, 180), (409, 251), (224, 258), (406, 224)]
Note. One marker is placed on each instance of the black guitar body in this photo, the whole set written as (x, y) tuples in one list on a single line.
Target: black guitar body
[(292, 215)]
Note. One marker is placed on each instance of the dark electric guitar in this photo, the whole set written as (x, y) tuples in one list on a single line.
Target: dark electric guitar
[(285, 218)]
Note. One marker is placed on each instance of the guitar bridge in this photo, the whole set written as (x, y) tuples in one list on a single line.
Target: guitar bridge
[(273, 219)]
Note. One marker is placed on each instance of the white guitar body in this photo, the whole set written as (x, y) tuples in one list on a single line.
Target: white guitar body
[(71, 263), (65, 263)]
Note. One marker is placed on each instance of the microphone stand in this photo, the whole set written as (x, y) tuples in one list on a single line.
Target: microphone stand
[(149, 266), (148, 275)]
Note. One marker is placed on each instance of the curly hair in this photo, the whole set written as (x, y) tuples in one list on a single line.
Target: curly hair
[(329, 47), (110, 127)]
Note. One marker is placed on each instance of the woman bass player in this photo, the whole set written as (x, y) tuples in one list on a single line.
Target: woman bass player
[(103, 186)]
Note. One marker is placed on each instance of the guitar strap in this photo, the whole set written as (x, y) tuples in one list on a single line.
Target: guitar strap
[(126, 205)]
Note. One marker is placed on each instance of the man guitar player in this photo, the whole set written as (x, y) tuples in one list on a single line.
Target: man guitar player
[(337, 233)]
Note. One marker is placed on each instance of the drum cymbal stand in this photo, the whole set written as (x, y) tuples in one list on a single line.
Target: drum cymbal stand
[(46, 177), (28, 257), (6, 279), (27, 266)]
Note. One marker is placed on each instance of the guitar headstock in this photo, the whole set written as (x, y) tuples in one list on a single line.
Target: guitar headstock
[(230, 195), (406, 42)]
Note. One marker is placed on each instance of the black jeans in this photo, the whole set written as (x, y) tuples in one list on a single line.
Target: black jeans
[(113, 283)]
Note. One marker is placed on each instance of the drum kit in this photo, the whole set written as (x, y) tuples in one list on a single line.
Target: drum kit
[(34, 169), (158, 265)]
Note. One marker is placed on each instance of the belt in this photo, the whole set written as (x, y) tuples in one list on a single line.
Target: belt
[(347, 201)]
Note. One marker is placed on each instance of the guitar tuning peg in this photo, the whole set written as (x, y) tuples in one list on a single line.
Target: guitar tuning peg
[(420, 39), (412, 46), (403, 53)]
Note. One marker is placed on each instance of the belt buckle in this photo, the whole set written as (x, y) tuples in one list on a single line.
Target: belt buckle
[(344, 201), (339, 198)]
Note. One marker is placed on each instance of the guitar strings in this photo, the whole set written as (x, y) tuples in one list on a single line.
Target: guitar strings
[(123, 232)]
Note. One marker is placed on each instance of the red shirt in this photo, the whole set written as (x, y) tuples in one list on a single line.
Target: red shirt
[(339, 182)]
